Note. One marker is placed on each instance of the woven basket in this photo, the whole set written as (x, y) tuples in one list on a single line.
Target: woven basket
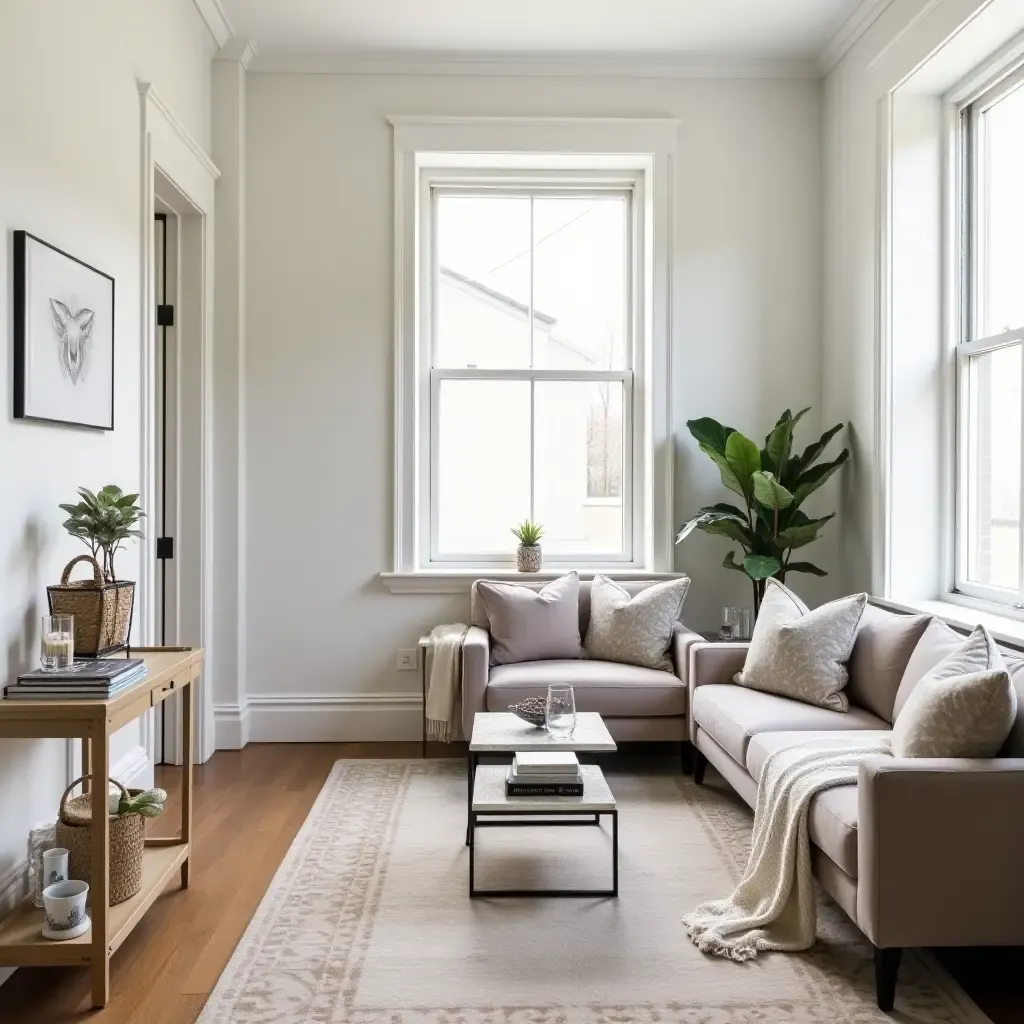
[(102, 611), (127, 839)]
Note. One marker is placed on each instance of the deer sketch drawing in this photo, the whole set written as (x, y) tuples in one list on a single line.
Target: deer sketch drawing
[(74, 331)]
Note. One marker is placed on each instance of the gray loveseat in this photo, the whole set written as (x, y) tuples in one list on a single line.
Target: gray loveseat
[(635, 703), (921, 852)]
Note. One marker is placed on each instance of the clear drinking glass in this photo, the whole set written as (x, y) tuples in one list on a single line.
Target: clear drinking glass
[(57, 646), (727, 630), (560, 710)]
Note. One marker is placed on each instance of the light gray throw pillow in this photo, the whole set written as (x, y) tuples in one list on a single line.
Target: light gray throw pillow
[(964, 707), (533, 625), (634, 629), (799, 653)]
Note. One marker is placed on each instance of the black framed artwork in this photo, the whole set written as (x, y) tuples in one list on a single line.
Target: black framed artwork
[(63, 337)]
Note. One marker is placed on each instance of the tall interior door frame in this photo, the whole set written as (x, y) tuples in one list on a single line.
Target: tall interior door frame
[(178, 179)]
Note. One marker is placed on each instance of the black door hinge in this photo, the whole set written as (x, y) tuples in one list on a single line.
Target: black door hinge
[(165, 547), (164, 316)]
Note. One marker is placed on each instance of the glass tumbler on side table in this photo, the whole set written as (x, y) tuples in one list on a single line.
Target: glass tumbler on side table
[(560, 711), (57, 645)]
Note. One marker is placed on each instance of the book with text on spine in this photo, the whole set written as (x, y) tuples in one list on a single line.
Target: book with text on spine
[(534, 788)]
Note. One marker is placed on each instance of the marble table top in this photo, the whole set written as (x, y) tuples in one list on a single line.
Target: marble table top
[(489, 793), (501, 731)]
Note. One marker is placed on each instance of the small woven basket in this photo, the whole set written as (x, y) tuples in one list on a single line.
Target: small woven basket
[(102, 611), (127, 840)]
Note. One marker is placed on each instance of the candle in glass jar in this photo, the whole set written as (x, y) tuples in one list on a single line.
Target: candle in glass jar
[(58, 645), (57, 648)]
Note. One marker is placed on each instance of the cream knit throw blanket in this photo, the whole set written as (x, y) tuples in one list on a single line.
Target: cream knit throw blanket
[(445, 688), (773, 906)]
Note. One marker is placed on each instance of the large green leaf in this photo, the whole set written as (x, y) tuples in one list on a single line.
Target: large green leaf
[(728, 527), (744, 458), (805, 567), (710, 433), (760, 567), (769, 492), (813, 452), (780, 440), (726, 509), (812, 479), (729, 477), (802, 533)]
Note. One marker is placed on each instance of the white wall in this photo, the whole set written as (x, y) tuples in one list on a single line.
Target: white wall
[(70, 173), (936, 44), (746, 343)]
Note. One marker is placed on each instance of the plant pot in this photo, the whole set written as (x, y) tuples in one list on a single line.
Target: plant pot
[(528, 558), (102, 611)]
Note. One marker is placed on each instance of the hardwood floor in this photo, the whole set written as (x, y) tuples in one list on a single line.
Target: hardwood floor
[(248, 806)]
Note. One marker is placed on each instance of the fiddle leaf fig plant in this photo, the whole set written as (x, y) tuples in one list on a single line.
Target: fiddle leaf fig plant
[(773, 483)]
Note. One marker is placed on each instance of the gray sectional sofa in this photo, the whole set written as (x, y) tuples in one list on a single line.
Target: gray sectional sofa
[(921, 852)]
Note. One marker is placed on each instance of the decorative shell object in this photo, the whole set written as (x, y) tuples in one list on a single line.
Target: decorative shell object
[(530, 709)]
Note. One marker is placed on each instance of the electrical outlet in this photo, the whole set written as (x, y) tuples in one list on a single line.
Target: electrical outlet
[(408, 659)]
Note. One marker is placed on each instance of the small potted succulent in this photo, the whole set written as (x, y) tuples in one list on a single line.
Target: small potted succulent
[(528, 554), (102, 606)]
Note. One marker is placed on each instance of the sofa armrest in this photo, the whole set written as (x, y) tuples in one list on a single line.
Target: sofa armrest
[(938, 851), (711, 663), (683, 638), (476, 660)]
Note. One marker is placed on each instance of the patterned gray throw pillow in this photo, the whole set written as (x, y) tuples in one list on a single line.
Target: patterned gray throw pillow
[(799, 653), (634, 629), (964, 707)]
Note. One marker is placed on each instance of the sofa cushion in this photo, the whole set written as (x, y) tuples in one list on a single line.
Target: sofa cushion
[(885, 641), (964, 707), (533, 625), (609, 688), (801, 653), (635, 629), (936, 642), (731, 715), (832, 814)]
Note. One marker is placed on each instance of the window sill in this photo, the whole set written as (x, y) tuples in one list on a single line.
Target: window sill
[(459, 581), (1003, 628)]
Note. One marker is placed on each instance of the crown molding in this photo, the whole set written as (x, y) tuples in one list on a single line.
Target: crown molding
[(216, 20), (238, 50), (856, 23), (547, 65)]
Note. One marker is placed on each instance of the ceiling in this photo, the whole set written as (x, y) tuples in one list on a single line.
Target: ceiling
[(685, 28)]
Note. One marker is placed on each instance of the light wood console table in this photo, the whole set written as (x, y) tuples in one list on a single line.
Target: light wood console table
[(171, 670)]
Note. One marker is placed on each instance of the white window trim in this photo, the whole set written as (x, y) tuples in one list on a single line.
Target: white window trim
[(644, 146), (982, 93)]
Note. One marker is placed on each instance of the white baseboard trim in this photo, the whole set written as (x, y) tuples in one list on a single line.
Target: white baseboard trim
[(314, 718), (231, 726), (134, 770)]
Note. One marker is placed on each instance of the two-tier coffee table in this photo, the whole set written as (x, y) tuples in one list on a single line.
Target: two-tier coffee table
[(488, 806)]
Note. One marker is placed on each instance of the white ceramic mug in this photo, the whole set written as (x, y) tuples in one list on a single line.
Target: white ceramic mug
[(55, 866), (64, 908)]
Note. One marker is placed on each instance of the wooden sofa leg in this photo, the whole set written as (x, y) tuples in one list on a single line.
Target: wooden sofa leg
[(700, 762), (686, 757), (887, 965)]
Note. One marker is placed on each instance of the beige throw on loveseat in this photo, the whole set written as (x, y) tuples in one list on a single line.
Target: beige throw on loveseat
[(773, 906), (444, 692)]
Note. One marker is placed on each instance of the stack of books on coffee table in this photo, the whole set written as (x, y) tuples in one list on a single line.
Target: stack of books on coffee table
[(96, 679), (541, 773)]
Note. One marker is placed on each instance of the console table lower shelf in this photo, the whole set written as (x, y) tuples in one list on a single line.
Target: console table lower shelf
[(171, 672)]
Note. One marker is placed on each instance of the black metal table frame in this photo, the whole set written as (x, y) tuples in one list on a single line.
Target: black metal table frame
[(536, 819)]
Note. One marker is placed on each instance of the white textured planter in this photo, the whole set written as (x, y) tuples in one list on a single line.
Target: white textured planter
[(528, 559)]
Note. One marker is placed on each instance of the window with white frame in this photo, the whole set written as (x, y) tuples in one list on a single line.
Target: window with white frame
[(990, 368), (529, 334), (532, 272)]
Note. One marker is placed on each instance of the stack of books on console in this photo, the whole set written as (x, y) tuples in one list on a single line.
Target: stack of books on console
[(544, 774), (96, 679)]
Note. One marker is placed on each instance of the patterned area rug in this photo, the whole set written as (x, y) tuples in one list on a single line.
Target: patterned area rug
[(368, 920)]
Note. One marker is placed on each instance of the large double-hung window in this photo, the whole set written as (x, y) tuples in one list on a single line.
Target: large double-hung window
[(990, 384), (529, 328)]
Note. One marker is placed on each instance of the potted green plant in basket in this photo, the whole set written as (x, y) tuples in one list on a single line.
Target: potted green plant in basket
[(773, 483), (102, 606), (528, 554)]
